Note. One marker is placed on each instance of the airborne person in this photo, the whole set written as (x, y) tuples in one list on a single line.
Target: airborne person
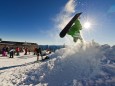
[(74, 31)]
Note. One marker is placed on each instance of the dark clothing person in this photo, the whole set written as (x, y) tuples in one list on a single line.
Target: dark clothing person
[(7, 50), (35, 50), (4, 51), (26, 50), (11, 53), (38, 53)]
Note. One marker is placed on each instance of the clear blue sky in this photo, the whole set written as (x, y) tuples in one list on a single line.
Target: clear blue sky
[(33, 20)]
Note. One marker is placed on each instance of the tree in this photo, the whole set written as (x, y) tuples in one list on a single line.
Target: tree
[(0, 39)]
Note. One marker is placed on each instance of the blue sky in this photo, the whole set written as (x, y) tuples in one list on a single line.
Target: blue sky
[(41, 21)]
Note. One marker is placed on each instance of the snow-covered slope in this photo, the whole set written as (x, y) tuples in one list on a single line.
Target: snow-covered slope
[(70, 66)]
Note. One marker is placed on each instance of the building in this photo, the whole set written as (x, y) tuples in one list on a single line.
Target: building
[(30, 46)]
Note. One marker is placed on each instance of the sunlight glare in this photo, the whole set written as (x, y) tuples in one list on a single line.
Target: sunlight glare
[(87, 25)]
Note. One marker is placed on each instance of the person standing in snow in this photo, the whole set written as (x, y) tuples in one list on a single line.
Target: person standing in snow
[(38, 52), (7, 50), (75, 31), (4, 51), (17, 51), (26, 50), (11, 52), (35, 50)]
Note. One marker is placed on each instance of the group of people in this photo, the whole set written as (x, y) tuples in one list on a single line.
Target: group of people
[(16, 51), (12, 51), (7, 50), (39, 52)]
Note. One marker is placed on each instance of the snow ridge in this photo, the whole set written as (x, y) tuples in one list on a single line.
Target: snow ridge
[(71, 64)]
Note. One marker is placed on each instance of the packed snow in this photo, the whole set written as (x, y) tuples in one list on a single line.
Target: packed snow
[(90, 64)]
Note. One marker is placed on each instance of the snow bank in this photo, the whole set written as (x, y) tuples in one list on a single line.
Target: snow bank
[(69, 65)]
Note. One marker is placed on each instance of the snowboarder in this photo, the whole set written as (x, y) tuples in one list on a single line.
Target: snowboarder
[(74, 31)]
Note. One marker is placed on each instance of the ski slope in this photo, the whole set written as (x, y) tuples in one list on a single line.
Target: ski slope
[(89, 65)]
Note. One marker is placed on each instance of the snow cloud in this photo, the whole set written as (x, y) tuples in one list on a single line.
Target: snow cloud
[(65, 15), (70, 6), (61, 19)]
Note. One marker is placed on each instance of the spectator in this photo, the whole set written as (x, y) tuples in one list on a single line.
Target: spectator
[(7, 50), (38, 53), (35, 50), (26, 50), (17, 51), (4, 51), (12, 52)]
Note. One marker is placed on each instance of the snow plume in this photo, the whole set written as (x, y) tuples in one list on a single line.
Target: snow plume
[(72, 66), (61, 20), (70, 6), (65, 15)]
